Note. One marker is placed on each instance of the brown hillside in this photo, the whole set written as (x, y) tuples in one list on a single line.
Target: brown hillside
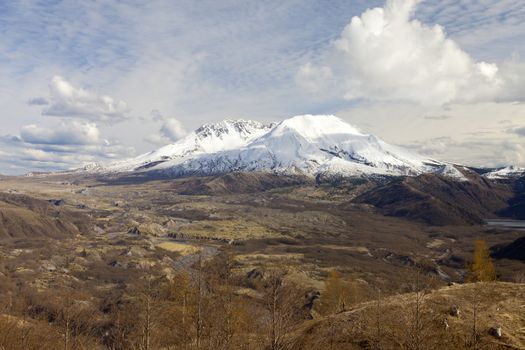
[(396, 323), (24, 216)]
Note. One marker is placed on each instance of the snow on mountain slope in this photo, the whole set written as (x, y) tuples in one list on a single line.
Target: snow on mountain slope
[(506, 173), (317, 145), (314, 145), (208, 139)]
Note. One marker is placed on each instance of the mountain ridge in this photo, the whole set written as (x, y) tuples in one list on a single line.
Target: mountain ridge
[(312, 145)]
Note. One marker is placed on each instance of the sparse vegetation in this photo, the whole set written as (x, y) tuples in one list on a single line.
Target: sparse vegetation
[(294, 267), (207, 306)]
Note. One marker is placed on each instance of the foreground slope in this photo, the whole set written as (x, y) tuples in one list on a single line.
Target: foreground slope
[(426, 320)]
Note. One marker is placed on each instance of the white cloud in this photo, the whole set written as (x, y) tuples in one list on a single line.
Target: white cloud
[(312, 78), (24, 156), (490, 152), (59, 146), (70, 140), (37, 155), (434, 146), (67, 133), (170, 131), (67, 100), (386, 55)]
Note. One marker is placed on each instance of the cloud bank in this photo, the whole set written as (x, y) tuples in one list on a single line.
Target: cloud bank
[(74, 137), (67, 100), (67, 133), (386, 55)]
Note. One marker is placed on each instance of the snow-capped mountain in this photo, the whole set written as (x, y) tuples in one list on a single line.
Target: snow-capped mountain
[(509, 172), (208, 139), (309, 144)]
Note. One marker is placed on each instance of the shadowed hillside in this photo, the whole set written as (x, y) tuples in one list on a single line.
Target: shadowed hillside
[(438, 200), (240, 183), (513, 251)]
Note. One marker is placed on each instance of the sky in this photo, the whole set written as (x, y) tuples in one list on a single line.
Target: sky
[(96, 81)]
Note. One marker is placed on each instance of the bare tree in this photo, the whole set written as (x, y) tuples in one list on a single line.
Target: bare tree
[(144, 313), (339, 293), (475, 302), (283, 305), (378, 320), (412, 327)]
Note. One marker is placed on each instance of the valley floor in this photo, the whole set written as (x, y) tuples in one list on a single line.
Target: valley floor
[(98, 240)]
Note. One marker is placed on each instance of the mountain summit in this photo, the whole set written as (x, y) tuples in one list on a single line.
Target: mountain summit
[(317, 145)]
